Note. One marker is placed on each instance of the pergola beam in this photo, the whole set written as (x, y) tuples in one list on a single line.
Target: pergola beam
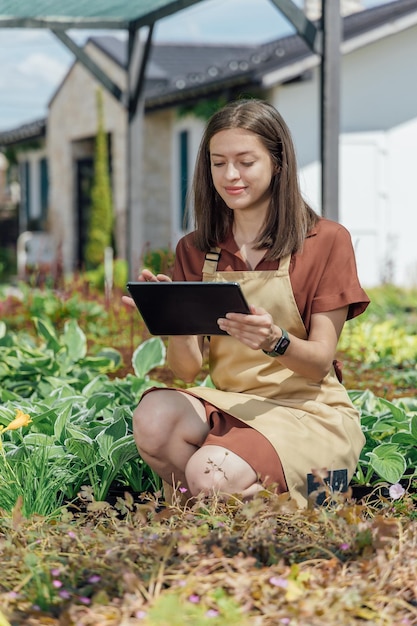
[(330, 108), (304, 27), (89, 64)]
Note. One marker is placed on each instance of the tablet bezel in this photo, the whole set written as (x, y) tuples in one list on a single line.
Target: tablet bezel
[(186, 307)]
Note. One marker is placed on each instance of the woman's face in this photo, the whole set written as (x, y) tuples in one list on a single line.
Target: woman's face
[(242, 169)]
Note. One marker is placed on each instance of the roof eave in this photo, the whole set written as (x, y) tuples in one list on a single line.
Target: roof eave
[(173, 97), (393, 27)]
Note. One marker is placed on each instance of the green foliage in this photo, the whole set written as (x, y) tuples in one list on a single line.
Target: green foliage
[(7, 263), (96, 277), (390, 428), (391, 300), (81, 428), (19, 306), (203, 109), (216, 609), (376, 341), (101, 216), (160, 261)]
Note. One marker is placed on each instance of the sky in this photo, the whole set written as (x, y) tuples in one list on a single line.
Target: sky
[(33, 62)]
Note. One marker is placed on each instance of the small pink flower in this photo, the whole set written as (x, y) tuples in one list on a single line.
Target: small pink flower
[(396, 491), (183, 490), (140, 614), (194, 598), (55, 572), (344, 546), (94, 579), (57, 584), (212, 613), (84, 600), (278, 582), (64, 594), (71, 534)]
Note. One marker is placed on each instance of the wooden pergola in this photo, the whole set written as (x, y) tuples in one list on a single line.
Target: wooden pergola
[(137, 16)]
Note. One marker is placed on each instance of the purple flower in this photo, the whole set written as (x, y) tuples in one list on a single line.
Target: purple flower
[(64, 594), (94, 579), (183, 490), (396, 491), (194, 598), (279, 582), (57, 584), (84, 600), (71, 534), (344, 546)]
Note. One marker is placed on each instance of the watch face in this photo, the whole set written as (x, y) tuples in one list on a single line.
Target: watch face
[(282, 345)]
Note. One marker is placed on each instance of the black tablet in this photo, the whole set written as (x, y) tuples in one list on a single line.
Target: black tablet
[(186, 308)]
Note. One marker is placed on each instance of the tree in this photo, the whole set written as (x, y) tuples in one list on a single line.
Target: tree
[(100, 227)]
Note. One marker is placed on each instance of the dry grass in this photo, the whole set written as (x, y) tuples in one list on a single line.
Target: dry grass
[(212, 562)]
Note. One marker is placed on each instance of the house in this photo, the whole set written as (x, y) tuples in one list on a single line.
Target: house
[(184, 83)]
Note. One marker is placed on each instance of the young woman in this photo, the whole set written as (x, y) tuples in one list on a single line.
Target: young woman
[(278, 410)]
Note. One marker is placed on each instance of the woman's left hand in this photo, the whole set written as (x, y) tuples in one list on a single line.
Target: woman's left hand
[(256, 330)]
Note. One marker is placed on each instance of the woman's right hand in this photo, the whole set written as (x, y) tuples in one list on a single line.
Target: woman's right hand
[(146, 276)]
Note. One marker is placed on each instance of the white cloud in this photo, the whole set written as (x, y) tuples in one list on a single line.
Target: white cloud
[(39, 66)]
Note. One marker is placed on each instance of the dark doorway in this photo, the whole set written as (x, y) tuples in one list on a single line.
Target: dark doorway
[(84, 183)]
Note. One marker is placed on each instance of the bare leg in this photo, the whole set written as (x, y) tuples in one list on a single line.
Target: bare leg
[(214, 469), (169, 427)]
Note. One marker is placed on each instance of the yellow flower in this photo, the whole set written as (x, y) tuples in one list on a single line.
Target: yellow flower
[(21, 419)]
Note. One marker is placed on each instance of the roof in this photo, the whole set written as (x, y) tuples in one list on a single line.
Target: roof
[(25, 132), (118, 14), (180, 72), (176, 72)]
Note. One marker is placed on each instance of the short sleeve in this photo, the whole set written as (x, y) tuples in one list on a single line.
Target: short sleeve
[(324, 275), (339, 283), (188, 264)]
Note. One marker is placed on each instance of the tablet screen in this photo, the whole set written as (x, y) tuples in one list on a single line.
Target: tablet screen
[(186, 308)]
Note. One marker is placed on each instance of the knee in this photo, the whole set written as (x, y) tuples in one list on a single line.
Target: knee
[(150, 425)]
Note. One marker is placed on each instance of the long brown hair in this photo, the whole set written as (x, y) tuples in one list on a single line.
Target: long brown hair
[(289, 217)]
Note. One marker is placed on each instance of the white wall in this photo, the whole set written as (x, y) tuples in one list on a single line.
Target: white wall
[(378, 152)]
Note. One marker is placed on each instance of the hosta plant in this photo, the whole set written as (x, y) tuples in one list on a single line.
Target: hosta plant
[(78, 430), (390, 428)]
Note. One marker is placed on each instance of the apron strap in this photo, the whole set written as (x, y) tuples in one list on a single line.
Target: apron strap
[(211, 260), (284, 264)]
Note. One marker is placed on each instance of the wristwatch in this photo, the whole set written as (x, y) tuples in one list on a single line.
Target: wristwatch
[(280, 346)]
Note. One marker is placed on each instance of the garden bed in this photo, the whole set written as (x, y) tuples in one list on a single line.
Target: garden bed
[(260, 563), (109, 551)]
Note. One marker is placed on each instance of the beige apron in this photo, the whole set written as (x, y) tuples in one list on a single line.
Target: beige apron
[(311, 425)]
